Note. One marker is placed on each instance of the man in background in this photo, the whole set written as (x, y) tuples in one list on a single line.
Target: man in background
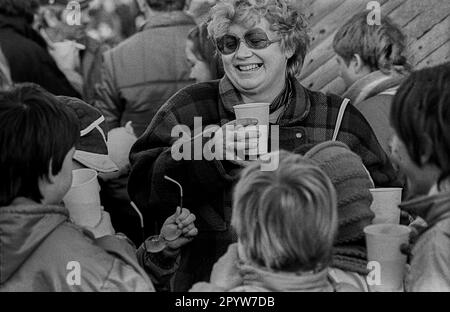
[(145, 70)]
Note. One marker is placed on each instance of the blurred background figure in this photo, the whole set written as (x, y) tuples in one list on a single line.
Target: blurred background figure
[(201, 54), (138, 76), (199, 9), (59, 24), (145, 70), (26, 51), (5, 76)]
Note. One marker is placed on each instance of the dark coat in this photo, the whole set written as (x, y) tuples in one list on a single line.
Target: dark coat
[(309, 118), (28, 58)]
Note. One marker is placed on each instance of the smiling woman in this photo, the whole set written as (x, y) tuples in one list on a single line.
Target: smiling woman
[(262, 44)]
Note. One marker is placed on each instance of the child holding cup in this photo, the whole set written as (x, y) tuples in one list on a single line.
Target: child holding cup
[(420, 115), (42, 250)]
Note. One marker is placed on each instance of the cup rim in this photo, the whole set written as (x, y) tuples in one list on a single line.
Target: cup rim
[(86, 182), (385, 189), (367, 229), (251, 105)]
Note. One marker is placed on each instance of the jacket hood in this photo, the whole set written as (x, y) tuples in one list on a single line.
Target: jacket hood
[(375, 83), (24, 225)]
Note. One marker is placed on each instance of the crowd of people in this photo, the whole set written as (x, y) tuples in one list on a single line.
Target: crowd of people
[(70, 101)]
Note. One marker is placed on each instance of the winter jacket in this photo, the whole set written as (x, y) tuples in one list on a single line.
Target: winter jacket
[(28, 58), (41, 250), (141, 73), (430, 263), (309, 117), (372, 96)]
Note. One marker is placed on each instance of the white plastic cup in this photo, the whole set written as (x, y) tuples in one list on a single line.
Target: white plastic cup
[(385, 205), (383, 243), (259, 111), (83, 198)]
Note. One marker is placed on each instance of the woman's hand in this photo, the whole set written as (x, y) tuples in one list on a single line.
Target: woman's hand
[(225, 273), (178, 230), (232, 142)]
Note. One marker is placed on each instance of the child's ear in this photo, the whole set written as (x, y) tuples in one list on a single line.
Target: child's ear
[(51, 177), (356, 63)]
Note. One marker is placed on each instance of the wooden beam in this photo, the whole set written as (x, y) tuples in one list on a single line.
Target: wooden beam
[(439, 56)]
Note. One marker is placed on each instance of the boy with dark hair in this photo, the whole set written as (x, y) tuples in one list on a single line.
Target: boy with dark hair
[(420, 115), (372, 63), (40, 246)]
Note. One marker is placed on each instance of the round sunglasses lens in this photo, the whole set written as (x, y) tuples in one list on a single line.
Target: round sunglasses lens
[(257, 40), (227, 44)]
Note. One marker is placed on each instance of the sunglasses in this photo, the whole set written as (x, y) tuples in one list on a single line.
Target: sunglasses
[(254, 39)]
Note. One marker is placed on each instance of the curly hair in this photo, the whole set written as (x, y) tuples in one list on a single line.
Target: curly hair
[(19, 8), (286, 18), (381, 47), (286, 219), (420, 115)]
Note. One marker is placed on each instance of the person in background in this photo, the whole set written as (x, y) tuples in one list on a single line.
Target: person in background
[(145, 70), (26, 51), (262, 45), (201, 54), (5, 75), (420, 116), (286, 222), (57, 25), (37, 146), (372, 64), (199, 9)]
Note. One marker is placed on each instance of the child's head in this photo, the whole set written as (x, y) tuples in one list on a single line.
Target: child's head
[(362, 48), (285, 219), (37, 140), (420, 115), (201, 54)]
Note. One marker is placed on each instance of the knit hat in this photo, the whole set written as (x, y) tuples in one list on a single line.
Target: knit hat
[(352, 183), (91, 150)]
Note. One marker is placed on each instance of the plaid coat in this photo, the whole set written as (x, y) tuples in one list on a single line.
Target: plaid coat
[(308, 118)]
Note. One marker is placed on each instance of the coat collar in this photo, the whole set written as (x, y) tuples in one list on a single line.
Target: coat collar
[(373, 84), (282, 281), (296, 109), (167, 19)]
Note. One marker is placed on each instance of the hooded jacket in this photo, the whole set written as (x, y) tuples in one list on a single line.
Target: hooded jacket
[(41, 250), (372, 96)]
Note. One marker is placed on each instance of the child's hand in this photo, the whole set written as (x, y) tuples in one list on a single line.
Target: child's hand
[(179, 229), (225, 273), (104, 227)]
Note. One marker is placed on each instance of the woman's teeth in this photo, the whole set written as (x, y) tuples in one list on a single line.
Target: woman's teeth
[(249, 67)]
